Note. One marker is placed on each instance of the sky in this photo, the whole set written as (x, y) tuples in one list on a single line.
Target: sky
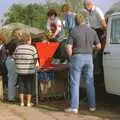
[(5, 4)]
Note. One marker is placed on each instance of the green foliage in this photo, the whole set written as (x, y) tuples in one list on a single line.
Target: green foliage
[(76, 5), (35, 14), (32, 14)]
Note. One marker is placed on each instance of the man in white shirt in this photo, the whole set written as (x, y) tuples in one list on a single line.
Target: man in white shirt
[(96, 16), (96, 20)]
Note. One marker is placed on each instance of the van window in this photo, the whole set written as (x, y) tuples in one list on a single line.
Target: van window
[(115, 31)]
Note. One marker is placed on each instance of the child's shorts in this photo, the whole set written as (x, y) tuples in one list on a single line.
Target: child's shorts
[(45, 75)]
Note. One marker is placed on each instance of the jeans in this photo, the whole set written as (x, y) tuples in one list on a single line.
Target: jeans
[(12, 78), (82, 64)]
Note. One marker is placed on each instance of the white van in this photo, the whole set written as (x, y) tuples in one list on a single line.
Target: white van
[(111, 56)]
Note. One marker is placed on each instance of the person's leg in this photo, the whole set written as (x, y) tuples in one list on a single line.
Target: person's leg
[(22, 86), (74, 88), (29, 98), (89, 82), (12, 78), (75, 73), (29, 83), (21, 99), (42, 86), (41, 77), (49, 77), (4, 75)]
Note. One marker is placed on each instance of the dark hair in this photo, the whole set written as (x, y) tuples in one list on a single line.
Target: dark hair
[(51, 12), (11, 46)]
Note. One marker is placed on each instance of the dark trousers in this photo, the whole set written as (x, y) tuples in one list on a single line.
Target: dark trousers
[(98, 58), (26, 83), (4, 75)]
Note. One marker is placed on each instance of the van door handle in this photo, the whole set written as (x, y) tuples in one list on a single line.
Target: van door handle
[(106, 53)]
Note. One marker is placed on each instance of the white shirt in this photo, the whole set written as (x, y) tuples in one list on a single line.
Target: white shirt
[(58, 23), (95, 17)]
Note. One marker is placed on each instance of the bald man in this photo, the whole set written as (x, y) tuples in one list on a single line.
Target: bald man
[(97, 22), (96, 16)]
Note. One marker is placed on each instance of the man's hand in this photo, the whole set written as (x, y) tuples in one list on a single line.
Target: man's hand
[(37, 65)]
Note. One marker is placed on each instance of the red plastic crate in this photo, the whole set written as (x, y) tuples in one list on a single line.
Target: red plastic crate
[(46, 52)]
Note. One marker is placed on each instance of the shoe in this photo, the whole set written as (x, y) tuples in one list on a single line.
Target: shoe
[(29, 104), (92, 109), (22, 104), (71, 110), (11, 101)]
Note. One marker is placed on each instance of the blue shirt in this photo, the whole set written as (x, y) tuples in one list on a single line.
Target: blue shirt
[(70, 21)]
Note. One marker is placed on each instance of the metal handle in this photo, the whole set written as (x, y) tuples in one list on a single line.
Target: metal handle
[(106, 53)]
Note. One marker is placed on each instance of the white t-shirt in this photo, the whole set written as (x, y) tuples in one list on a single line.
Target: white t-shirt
[(58, 23), (95, 17)]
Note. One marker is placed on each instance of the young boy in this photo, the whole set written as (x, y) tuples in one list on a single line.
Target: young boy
[(25, 59), (69, 17)]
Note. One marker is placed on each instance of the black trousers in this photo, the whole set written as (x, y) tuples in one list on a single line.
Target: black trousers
[(98, 58), (26, 83), (4, 75)]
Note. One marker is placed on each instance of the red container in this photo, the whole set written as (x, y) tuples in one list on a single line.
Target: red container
[(46, 52)]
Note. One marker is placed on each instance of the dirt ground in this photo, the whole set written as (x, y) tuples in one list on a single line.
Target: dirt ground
[(108, 106)]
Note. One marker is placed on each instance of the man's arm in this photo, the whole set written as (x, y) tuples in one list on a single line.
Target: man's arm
[(69, 44), (103, 23), (102, 18), (69, 50)]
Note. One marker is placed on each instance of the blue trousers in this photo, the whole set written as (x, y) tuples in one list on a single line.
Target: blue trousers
[(82, 64), (12, 78)]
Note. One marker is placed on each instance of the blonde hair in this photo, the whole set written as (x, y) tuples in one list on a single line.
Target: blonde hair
[(65, 8), (26, 37), (17, 33)]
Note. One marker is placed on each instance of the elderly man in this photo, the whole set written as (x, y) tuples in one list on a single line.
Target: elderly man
[(79, 48), (95, 14), (97, 22)]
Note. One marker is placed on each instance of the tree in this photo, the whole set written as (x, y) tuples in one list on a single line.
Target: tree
[(16, 13), (35, 14), (32, 14), (76, 5)]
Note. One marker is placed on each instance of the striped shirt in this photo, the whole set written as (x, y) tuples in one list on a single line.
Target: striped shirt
[(25, 59)]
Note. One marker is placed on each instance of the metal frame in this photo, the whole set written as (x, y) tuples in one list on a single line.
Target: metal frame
[(66, 93)]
